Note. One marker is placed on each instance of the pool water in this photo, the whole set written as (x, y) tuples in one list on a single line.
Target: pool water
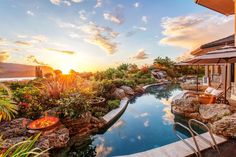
[(147, 123)]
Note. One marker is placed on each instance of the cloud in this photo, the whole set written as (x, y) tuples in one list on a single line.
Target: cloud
[(145, 19), (22, 36), (22, 43), (141, 55), (113, 18), (146, 123), (33, 59), (77, 1), (4, 55), (40, 38), (136, 5), (30, 13), (67, 3), (56, 2), (3, 42), (130, 33), (194, 30), (98, 4), (62, 51), (140, 28), (82, 15), (94, 34), (104, 43), (144, 114), (184, 56)]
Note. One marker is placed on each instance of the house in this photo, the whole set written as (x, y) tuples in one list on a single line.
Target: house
[(215, 74)]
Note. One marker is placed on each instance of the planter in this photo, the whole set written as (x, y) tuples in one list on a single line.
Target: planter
[(44, 123)]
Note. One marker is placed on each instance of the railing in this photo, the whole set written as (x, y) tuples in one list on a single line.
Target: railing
[(214, 144), (197, 152)]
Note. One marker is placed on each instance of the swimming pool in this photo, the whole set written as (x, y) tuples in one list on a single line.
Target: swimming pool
[(147, 123)]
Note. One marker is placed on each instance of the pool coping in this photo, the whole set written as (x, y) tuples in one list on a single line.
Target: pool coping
[(155, 84), (179, 149), (114, 114)]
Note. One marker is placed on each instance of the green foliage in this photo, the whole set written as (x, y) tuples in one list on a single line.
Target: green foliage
[(26, 94), (123, 67), (25, 149), (72, 106), (164, 62), (113, 104)]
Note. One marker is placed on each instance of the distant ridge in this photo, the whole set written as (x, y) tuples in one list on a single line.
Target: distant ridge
[(11, 70)]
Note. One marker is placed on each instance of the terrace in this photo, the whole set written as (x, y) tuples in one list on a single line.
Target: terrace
[(158, 109)]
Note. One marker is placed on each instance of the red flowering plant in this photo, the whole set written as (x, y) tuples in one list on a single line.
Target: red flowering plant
[(27, 98)]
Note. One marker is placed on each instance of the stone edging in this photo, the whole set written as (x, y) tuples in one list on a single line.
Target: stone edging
[(112, 115), (155, 84)]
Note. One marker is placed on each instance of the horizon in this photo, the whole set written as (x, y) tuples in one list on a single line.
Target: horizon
[(94, 35)]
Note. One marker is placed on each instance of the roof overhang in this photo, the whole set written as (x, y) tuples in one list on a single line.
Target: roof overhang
[(225, 7)]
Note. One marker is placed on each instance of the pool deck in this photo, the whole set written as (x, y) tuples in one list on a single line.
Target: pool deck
[(109, 117), (178, 149)]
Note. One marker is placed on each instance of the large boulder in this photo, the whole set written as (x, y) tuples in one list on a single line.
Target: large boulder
[(118, 93), (128, 90), (225, 126), (16, 131), (55, 138), (14, 128), (182, 106), (213, 112)]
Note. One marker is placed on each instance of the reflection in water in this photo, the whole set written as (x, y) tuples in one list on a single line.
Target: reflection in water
[(147, 123), (102, 151)]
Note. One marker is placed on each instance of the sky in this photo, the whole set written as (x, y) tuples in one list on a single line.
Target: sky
[(91, 35)]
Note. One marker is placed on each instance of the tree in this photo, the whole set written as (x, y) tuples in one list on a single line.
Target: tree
[(164, 62)]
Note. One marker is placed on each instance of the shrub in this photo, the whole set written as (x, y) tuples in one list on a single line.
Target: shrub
[(72, 106), (113, 104)]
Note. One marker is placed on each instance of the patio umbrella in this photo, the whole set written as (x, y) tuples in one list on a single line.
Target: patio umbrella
[(225, 7), (224, 55)]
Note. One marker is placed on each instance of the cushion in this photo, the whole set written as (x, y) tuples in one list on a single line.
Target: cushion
[(216, 92), (209, 90)]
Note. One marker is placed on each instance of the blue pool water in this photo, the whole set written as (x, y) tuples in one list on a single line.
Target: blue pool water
[(147, 123)]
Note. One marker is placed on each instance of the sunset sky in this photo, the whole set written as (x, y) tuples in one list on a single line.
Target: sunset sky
[(90, 35)]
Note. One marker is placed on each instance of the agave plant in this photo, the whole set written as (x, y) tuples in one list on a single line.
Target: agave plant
[(25, 149), (7, 108)]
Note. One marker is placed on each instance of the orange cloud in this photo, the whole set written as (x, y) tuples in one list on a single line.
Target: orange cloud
[(194, 30), (4, 55)]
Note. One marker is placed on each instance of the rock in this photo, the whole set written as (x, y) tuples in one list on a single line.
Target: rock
[(85, 125), (128, 90), (10, 142), (225, 126), (139, 90), (56, 138), (214, 112), (14, 128), (189, 105), (119, 93)]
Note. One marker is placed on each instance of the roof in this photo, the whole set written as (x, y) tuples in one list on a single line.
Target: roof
[(214, 45), (225, 7), (222, 55)]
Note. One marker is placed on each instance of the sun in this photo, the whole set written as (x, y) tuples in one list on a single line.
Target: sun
[(66, 68)]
